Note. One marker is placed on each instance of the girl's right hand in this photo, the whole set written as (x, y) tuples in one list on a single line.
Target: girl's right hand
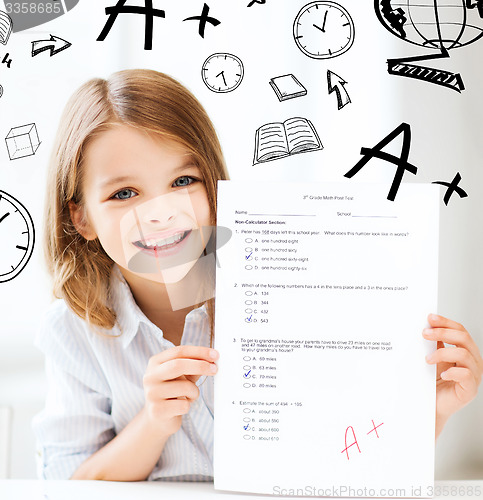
[(170, 384)]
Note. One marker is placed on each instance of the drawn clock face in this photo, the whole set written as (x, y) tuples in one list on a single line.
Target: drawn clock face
[(222, 72), (323, 30), (17, 237)]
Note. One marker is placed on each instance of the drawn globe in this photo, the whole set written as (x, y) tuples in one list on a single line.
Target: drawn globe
[(433, 24)]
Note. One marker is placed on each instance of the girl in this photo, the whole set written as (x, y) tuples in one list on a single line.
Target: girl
[(133, 174), (130, 204)]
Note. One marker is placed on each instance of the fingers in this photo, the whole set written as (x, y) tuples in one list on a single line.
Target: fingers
[(437, 321), (170, 383), (458, 356), (185, 352), (447, 331), (189, 361), (172, 389), (176, 368), (166, 409), (459, 338), (466, 386)]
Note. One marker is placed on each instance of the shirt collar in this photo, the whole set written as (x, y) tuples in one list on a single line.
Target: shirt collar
[(129, 315)]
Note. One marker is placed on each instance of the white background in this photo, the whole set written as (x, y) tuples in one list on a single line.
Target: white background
[(446, 138)]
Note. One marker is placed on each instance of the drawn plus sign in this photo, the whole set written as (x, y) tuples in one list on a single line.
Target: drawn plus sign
[(203, 19), (452, 187), (120, 8), (374, 428)]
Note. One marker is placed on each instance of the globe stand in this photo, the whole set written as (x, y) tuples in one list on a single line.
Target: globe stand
[(400, 67)]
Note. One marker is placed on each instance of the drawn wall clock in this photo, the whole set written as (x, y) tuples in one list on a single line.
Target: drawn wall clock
[(222, 72), (17, 237), (323, 30)]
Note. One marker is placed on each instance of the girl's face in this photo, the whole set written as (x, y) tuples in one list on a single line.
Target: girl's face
[(145, 200)]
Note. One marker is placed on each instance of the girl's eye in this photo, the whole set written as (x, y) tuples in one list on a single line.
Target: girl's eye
[(183, 181), (124, 194)]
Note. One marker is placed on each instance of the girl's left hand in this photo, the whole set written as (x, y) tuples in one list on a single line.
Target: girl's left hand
[(459, 368)]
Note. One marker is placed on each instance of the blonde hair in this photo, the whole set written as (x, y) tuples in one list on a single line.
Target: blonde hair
[(144, 99)]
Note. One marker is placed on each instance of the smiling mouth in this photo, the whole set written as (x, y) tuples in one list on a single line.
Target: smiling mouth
[(162, 244)]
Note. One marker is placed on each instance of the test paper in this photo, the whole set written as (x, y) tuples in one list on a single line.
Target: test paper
[(322, 294)]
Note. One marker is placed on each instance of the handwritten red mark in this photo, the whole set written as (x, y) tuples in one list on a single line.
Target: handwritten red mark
[(346, 449), (375, 427), (354, 443)]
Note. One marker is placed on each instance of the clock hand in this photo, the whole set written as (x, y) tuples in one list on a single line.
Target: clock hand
[(222, 73), (315, 26), (325, 19), (4, 216)]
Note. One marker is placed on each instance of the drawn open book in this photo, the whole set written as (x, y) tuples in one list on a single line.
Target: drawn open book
[(276, 140)]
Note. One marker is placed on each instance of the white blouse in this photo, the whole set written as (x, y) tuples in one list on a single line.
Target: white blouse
[(95, 389)]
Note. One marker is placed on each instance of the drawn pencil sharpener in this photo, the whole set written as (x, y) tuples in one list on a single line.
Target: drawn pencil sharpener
[(22, 141)]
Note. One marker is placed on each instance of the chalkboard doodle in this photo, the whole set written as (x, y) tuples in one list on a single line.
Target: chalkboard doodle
[(26, 15), (287, 87), (203, 19), (222, 72), (277, 140), (323, 30), (22, 141), (149, 12), (55, 44), (453, 187), (120, 8), (337, 84), (401, 162), (6, 60), (432, 24), (17, 237), (6, 26)]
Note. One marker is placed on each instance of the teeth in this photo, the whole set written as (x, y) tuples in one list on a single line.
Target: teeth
[(164, 242)]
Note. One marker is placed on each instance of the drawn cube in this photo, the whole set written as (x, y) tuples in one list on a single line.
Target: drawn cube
[(22, 141)]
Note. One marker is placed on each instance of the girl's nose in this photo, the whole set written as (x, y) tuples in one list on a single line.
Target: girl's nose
[(160, 210), (157, 219)]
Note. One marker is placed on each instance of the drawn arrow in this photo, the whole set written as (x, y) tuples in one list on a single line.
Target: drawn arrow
[(336, 83), (55, 44)]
